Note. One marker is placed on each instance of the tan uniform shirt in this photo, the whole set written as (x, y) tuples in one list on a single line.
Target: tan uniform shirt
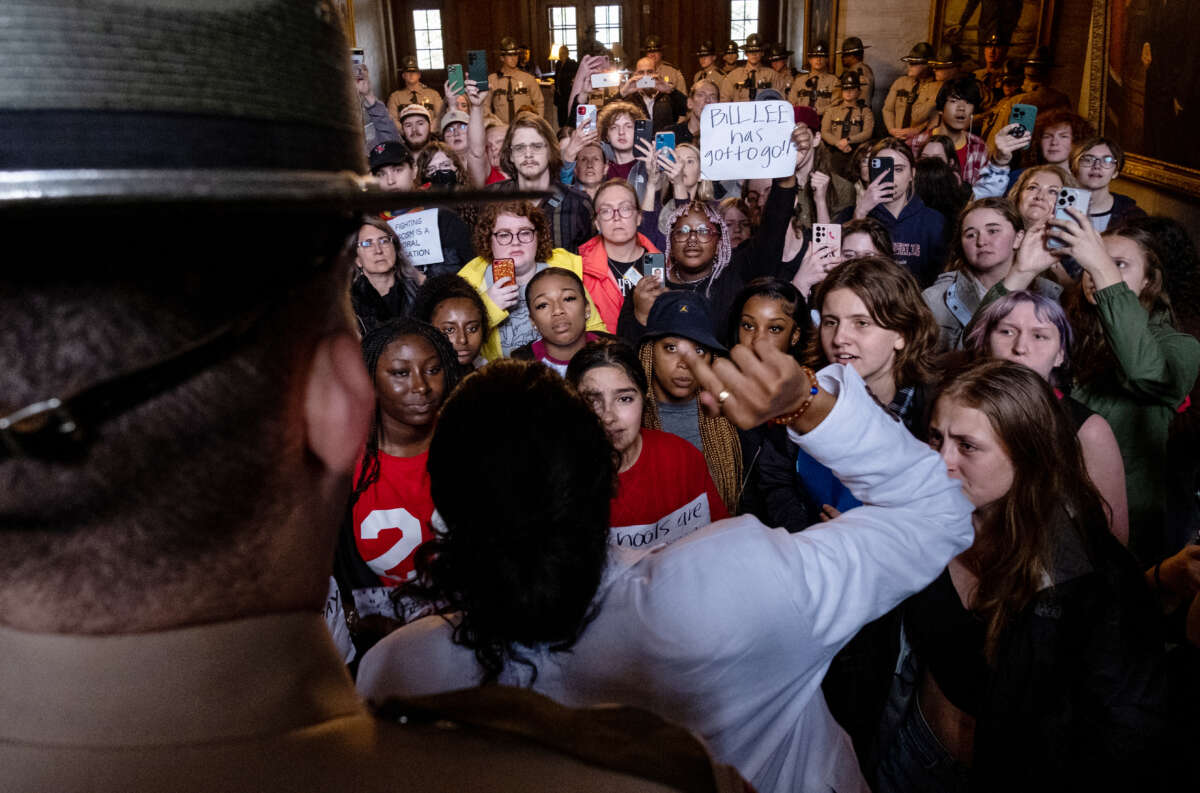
[(712, 73), (422, 95), (991, 86), (866, 80), (834, 126), (673, 76), (905, 94), (816, 90), (512, 89), (736, 87), (265, 704)]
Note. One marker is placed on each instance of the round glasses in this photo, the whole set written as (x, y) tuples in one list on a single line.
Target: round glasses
[(703, 233), (506, 237)]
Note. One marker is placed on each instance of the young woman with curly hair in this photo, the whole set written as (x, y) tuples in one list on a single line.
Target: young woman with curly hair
[(515, 230)]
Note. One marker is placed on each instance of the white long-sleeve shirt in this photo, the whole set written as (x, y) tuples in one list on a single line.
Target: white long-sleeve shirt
[(730, 630)]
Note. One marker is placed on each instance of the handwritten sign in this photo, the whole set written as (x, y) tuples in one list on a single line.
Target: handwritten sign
[(670, 527), (419, 236), (747, 140)]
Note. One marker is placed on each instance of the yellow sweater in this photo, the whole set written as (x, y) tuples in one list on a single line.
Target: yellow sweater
[(474, 271)]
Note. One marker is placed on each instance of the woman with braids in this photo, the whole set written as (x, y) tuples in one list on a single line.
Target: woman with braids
[(679, 322), (665, 491), (384, 282), (413, 368), (450, 304), (1034, 661), (698, 256)]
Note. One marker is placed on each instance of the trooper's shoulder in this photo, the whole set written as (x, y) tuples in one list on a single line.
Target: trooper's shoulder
[(519, 740)]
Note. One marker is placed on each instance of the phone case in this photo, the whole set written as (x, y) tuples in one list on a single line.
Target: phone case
[(454, 76), (585, 115), (827, 234), (881, 165), (1069, 198), (652, 264), (644, 130), (503, 268), (477, 65), (1025, 115)]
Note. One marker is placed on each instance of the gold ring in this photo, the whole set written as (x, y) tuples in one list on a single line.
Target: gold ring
[(721, 397)]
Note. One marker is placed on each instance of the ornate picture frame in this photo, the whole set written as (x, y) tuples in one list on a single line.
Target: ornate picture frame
[(1140, 106), (345, 12)]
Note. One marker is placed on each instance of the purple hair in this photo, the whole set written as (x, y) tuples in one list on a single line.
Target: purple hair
[(1044, 309), (724, 249)]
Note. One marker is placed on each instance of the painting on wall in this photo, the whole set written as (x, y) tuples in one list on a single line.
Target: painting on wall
[(1148, 88), (820, 26), (1022, 24)]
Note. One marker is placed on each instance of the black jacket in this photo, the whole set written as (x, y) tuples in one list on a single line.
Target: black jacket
[(569, 213), (372, 309), (1077, 696), (720, 299)]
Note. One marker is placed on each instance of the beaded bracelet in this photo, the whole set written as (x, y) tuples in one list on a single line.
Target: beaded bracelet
[(812, 393)]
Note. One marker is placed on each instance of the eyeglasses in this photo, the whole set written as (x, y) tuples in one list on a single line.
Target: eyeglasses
[(1107, 161), (521, 148), (703, 233), (382, 242), (522, 235), (608, 213)]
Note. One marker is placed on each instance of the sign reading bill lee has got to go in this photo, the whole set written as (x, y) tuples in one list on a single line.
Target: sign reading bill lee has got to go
[(747, 140)]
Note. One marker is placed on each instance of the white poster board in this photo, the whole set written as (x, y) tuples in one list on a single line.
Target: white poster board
[(419, 236), (747, 140)]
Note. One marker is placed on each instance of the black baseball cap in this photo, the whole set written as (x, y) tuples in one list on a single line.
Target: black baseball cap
[(679, 312)]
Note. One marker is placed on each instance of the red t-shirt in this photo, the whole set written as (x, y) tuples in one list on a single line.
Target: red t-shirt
[(393, 517), (666, 495), (496, 175)]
